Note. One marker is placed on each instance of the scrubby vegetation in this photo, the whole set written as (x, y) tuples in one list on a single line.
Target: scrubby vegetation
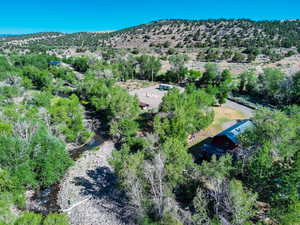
[(34, 129), (233, 40)]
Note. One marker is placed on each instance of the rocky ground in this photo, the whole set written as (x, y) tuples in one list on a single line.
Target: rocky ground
[(89, 194)]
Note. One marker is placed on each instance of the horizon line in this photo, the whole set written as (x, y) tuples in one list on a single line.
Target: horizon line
[(152, 21)]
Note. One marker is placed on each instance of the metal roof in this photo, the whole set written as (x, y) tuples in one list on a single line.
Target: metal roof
[(234, 131), (55, 63)]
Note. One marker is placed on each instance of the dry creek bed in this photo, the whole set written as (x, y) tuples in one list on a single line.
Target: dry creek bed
[(89, 194)]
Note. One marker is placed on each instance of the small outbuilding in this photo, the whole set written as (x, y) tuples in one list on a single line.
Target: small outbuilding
[(54, 63)]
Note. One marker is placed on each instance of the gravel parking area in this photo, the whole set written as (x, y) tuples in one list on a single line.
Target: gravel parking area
[(151, 95)]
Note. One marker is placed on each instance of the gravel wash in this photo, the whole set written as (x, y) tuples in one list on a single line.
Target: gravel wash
[(89, 194)]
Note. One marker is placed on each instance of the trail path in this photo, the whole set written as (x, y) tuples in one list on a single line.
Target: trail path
[(88, 193)]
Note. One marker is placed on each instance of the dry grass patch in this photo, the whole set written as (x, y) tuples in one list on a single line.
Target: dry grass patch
[(224, 117)]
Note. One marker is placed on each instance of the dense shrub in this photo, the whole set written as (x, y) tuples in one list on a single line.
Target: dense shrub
[(56, 219), (80, 64), (39, 61), (40, 78), (117, 106), (29, 218), (188, 112), (4, 64), (67, 115), (42, 99), (51, 160), (63, 73), (274, 162), (41, 160), (9, 92), (271, 86)]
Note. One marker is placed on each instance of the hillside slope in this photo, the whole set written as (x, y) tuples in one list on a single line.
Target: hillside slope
[(190, 33), (212, 40)]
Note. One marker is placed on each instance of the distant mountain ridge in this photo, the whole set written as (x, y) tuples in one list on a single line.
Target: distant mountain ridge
[(211, 37), (7, 35)]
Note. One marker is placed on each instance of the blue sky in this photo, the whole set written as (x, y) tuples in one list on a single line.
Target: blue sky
[(26, 16)]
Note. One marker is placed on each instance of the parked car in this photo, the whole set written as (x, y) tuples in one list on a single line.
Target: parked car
[(144, 105), (164, 87)]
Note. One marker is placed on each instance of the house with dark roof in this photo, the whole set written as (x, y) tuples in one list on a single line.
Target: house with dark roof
[(227, 140)]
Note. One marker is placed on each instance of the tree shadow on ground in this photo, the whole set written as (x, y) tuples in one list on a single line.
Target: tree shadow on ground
[(103, 188), (196, 151)]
